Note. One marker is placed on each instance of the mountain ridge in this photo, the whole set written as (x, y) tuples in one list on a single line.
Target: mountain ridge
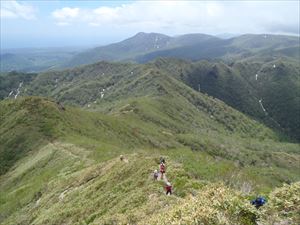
[(80, 169), (144, 47), (195, 46), (246, 86)]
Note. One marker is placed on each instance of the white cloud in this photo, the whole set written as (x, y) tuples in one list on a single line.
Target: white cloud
[(15, 10), (186, 16), (66, 13)]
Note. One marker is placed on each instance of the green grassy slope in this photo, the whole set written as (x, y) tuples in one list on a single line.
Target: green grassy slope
[(65, 169), (236, 85), (25, 125), (61, 184), (30, 122), (217, 204)]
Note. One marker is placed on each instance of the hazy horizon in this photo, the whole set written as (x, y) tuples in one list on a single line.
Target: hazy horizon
[(85, 46), (47, 24)]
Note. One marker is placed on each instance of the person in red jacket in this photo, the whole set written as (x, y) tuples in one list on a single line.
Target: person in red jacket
[(162, 169), (168, 188)]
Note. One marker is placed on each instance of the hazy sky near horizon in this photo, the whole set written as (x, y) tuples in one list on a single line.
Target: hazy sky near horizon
[(82, 23)]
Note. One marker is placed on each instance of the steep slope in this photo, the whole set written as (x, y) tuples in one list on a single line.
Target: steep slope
[(11, 83), (25, 126), (277, 86), (262, 90)]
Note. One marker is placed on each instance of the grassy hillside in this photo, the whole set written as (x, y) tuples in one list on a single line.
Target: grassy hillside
[(216, 204), (61, 184), (25, 126), (265, 91), (28, 123), (56, 157), (243, 84)]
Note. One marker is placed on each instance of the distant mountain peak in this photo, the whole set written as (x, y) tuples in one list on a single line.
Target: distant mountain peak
[(149, 35), (144, 47)]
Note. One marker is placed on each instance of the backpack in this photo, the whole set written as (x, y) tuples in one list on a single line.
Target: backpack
[(261, 201), (258, 202), (162, 167)]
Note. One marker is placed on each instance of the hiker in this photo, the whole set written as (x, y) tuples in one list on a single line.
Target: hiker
[(155, 175), (162, 160), (258, 202), (162, 169), (168, 188), (121, 157)]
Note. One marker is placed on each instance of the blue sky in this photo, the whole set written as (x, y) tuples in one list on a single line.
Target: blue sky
[(89, 23)]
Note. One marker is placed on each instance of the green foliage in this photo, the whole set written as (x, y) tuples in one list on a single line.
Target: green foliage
[(25, 125), (64, 183), (236, 85), (10, 82), (283, 205), (214, 204)]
